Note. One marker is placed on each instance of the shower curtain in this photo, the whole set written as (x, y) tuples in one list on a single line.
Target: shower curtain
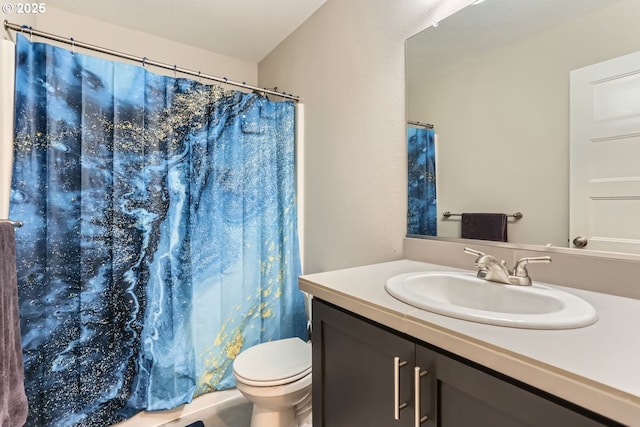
[(422, 201), (160, 234)]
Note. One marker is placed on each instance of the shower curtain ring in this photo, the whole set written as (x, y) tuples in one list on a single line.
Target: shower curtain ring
[(144, 60), (73, 46), (30, 34), (175, 74)]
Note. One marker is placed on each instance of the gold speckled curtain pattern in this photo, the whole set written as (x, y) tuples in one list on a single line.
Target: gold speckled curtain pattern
[(160, 234)]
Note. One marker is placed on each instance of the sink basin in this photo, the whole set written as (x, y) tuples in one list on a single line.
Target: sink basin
[(464, 296)]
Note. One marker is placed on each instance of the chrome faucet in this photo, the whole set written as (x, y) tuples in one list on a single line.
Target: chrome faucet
[(489, 268)]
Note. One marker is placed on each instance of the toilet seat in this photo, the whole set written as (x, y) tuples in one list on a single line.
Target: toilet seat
[(273, 363)]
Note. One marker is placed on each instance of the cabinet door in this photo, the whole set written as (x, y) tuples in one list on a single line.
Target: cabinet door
[(468, 396), (353, 374)]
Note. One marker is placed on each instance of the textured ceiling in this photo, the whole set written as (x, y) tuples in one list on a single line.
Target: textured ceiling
[(243, 29)]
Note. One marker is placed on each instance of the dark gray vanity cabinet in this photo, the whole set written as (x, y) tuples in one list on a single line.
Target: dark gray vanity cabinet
[(364, 375), (354, 384)]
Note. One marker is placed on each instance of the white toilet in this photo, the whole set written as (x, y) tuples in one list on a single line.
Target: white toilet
[(276, 377)]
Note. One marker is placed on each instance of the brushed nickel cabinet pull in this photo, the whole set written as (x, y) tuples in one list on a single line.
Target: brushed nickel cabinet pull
[(397, 406), (417, 374)]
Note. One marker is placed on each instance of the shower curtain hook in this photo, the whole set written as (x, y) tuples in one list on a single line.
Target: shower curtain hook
[(175, 74), (144, 59), (73, 46), (22, 27), (30, 34), (199, 76)]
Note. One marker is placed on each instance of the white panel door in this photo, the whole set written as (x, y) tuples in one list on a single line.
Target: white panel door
[(605, 155)]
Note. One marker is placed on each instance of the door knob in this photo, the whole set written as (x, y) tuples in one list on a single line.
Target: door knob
[(580, 242)]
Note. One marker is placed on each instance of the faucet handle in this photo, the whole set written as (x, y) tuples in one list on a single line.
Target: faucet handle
[(473, 252), (520, 269)]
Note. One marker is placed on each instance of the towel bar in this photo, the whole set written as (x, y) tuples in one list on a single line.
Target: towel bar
[(12, 222), (517, 215)]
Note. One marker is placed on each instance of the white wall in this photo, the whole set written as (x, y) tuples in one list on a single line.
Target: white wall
[(503, 123), (7, 77), (347, 63)]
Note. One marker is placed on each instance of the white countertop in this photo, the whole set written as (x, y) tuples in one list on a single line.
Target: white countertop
[(596, 367)]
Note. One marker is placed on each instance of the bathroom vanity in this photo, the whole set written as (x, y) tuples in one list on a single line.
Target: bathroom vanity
[(380, 362)]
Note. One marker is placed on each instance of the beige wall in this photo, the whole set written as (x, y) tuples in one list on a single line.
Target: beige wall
[(503, 123), (347, 62), (349, 68), (136, 43)]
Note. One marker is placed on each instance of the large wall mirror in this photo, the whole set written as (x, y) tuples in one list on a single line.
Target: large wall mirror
[(493, 79)]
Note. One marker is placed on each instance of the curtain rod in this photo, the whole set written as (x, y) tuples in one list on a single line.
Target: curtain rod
[(145, 61), (426, 125)]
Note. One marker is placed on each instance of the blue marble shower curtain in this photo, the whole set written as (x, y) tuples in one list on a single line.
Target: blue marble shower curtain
[(160, 234), (422, 212)]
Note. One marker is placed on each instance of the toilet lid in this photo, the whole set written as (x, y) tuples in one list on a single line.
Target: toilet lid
[(274, 363)]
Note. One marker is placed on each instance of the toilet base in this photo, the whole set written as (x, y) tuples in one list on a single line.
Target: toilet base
[(264, 417), (299, 416), (305, 421), (304, 413)]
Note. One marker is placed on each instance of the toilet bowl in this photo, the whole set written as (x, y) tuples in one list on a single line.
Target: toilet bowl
[(276, 377)]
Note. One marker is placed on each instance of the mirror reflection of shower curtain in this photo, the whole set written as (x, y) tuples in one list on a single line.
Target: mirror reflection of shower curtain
[(7, 70), (159, 237), (422, 201)]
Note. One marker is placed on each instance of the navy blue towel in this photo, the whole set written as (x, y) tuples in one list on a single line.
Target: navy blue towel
[(484, 226), (196, 424)]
